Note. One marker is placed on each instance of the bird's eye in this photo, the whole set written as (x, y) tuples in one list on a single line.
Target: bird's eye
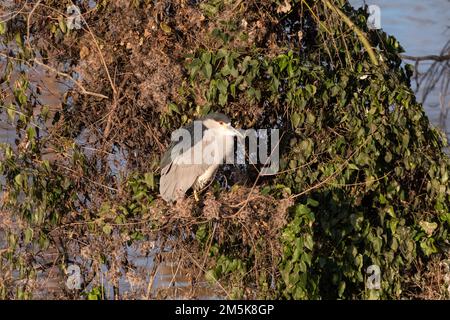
[(221, 123)]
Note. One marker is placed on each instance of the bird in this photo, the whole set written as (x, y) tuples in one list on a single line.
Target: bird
[(192, 160)]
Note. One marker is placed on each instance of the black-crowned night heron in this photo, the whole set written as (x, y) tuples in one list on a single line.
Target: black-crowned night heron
[(195, 154)]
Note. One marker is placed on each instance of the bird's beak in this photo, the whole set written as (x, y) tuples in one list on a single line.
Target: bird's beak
[(235, 132)]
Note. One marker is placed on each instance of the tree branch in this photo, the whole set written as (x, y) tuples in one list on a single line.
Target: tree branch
[(429, 57)]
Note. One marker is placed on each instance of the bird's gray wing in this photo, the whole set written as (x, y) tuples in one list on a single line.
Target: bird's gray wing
[(179, 178), (167, 158), (178, 171)]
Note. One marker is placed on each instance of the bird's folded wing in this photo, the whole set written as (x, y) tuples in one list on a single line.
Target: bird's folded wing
[(181, 173)]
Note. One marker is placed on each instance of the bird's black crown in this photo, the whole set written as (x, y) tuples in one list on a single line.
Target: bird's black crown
[(216, 116)]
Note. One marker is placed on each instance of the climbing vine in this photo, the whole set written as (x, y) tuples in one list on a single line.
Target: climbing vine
[(363, 177)]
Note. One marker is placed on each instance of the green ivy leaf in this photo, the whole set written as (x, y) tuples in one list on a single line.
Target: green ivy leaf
[(2, 28), (207, 71), (173, 108), (164, 27)]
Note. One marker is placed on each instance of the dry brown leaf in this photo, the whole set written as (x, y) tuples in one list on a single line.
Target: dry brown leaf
[(84, 52), (286, 7)]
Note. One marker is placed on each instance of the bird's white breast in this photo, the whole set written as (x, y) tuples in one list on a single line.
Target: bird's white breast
[(218, 147)]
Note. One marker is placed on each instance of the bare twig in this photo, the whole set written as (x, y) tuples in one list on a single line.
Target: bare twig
[(358, 32), (77, 83), (339, 170), (62, 74), (12, 15), (29, 21), (432, 57)]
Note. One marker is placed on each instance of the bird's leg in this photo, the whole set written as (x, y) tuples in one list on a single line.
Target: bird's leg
[(197, 199)]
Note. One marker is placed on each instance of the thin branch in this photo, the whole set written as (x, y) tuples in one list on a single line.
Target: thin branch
[(428, 57), (12, 15), (358, 32), (29, 21), (65, 75), (337, 172), (62, 74)]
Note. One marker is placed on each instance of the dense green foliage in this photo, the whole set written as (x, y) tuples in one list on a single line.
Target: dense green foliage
[(359, 148)]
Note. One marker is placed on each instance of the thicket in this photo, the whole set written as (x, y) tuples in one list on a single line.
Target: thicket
[(363, 178)]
